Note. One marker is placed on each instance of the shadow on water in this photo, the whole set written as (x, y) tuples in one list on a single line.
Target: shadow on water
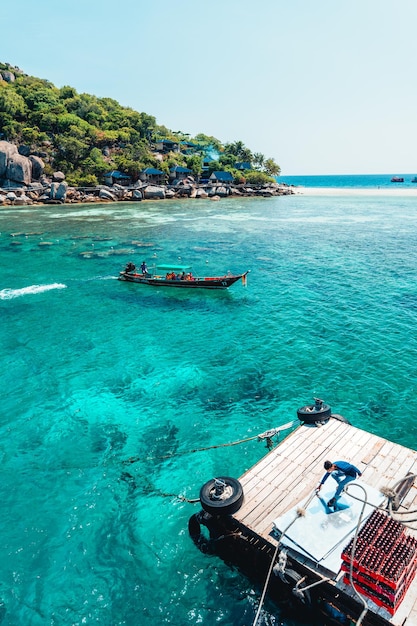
[(169, 298)]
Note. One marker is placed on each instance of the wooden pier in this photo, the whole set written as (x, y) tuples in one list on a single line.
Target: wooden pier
[(287, 477)]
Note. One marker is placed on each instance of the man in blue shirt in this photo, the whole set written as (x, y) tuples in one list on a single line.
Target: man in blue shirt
[(343, 473)]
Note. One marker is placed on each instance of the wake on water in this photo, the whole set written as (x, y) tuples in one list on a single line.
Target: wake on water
[(9, 294)]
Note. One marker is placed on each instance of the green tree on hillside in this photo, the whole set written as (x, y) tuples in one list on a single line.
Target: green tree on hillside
[(272, 168), (195, 164), (85, 136), (254, 177), (239, 151), (258, 160), (12, 103)]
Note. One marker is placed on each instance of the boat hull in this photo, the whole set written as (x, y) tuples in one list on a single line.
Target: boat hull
[(218, 282)]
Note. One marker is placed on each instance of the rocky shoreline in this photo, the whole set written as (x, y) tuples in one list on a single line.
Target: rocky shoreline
[(59, 193), (23, 182)]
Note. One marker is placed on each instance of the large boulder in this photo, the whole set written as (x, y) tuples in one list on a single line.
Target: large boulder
[(8, 76), (222, 191), (24, 150), (137, 194), (7, 150), (37, 166), (105, 194), (58, 191), (154, 192), (22, 198), (217, 190), (16, 167), (58, 177), (19, 169), (201, 193)]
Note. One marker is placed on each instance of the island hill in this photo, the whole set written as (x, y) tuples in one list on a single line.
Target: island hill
[(58, 146)]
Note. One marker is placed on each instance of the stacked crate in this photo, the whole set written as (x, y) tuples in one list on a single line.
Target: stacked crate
[(384, 563)]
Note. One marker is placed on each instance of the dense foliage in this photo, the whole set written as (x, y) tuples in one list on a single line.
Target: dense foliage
[(85, 136)]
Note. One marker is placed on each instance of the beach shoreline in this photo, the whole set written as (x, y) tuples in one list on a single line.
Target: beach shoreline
[(352, 191)]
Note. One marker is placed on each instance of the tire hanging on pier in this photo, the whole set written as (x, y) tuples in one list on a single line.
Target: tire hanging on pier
[(203, 543), (293, 578), (221, 496), (316, 413)]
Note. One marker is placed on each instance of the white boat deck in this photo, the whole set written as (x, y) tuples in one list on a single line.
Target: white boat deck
[(287, 476)]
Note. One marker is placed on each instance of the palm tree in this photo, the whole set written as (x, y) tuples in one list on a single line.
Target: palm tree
[(272, 168), (258, 160)]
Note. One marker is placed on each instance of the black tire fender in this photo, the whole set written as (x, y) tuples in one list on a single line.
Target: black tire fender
[(230, 500), (308, 415), (293, 578), (203, 543)]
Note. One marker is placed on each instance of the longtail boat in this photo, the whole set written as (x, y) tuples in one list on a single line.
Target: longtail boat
[(178, 276)]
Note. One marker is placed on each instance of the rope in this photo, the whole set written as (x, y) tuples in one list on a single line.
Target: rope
[(300, 513), (390, 494), (181, 498), (308, 587), (300, 589), (270, 433), (135, 459), (266, 584)]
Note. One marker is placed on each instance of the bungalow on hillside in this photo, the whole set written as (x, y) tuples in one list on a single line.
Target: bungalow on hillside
[(116, 178), (166, 145), (221, 177), (206, 163), (244, 165), (152, 175), (187, 147), (179, 172)]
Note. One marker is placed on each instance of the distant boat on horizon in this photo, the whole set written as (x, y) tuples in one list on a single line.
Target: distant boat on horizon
[(397, 179), (414, 180)]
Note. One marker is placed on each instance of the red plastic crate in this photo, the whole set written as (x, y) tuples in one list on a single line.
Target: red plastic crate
[(383, 592), (391, 607)]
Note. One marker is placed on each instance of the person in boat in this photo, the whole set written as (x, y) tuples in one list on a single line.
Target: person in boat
[(144, 268), (130, 268), (343, 473)]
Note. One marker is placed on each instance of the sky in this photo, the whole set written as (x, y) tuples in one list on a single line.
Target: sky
[(322, 87)]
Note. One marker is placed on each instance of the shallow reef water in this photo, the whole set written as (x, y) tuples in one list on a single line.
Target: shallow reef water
[(117, 398)]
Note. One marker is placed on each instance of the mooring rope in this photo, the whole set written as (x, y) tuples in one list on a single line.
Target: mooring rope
[(135, 459), (320, 582), (299, 513), (179, 497), (391, 495), (267, 435)]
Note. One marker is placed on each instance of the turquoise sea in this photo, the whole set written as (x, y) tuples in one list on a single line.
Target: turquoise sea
[(96, 372), (352, 181)]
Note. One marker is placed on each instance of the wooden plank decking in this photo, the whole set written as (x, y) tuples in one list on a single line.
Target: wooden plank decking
[(289, 474)]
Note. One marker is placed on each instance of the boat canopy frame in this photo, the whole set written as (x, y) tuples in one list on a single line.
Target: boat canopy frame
[(172, 268)]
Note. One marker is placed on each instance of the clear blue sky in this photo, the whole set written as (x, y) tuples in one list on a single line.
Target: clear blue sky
[(322, 87)]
